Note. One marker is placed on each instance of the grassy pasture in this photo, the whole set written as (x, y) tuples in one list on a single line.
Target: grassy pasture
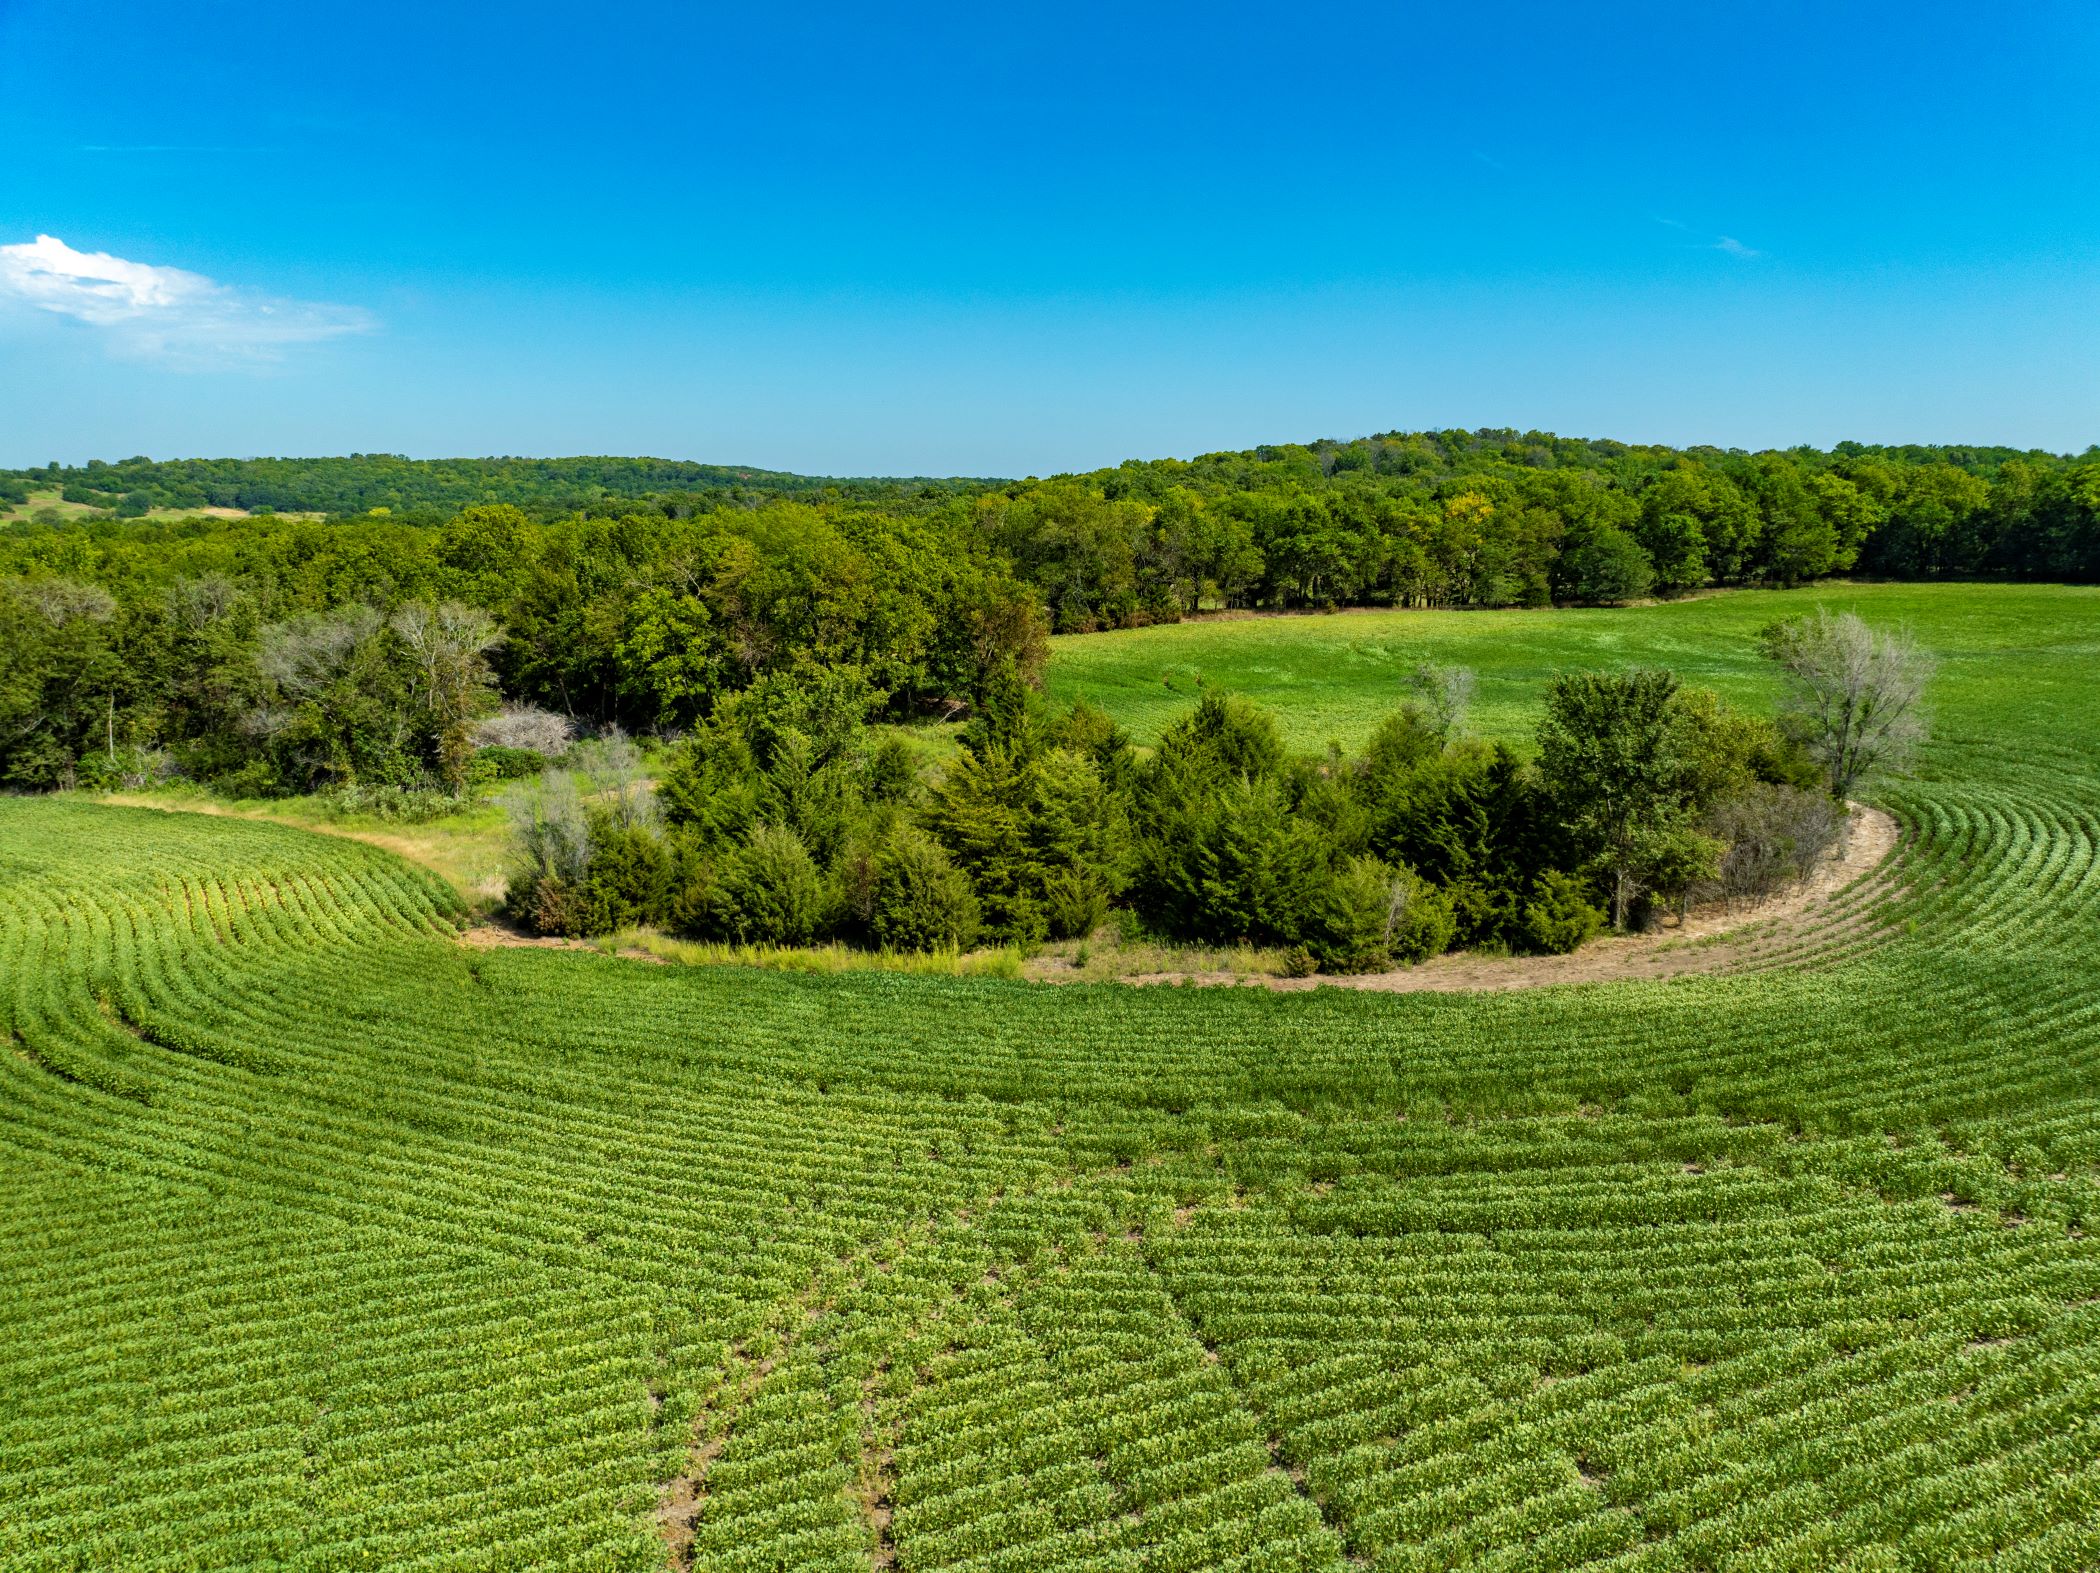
[(1332, 678), (332, 1244)]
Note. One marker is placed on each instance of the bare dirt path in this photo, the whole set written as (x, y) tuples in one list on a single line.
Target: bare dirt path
[(494, 934), (1822, 911)]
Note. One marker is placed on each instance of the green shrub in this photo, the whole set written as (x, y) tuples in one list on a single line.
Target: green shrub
[(632, 878), (770, 891), (1677, 861), (257, 778), (1075, 901), (1348, 926), (551, 905), (918, 899), (1037, 831), (1487, 914), (890, 774), (1425, 926), (1559, 915), (713, 786), (507, 764), (1229, 863), (401, 805)]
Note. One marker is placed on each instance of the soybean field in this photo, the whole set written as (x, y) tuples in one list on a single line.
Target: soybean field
[(329, 1243)]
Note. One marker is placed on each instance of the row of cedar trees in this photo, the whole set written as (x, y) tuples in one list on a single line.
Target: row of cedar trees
[(785, 821), (267, 655)]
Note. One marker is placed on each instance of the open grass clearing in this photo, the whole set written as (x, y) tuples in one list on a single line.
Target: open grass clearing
[(1332, 678)]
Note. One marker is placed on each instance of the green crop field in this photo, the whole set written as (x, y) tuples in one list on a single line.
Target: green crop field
[(330, 1244)]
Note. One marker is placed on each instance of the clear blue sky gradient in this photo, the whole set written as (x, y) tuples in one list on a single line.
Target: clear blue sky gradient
[(1020, 239)]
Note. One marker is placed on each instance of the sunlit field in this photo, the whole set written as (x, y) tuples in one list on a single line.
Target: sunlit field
[(331, 1243), (1333, 677)]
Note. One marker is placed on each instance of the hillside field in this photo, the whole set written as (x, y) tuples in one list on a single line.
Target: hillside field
[(331, 1244), (48, 502), (1334, 677)]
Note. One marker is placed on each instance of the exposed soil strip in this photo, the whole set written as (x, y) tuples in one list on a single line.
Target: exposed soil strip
[(494, 935), (876, 1485)]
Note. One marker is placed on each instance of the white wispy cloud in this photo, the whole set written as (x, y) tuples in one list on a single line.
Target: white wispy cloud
[(1727, 245), (167, 314)]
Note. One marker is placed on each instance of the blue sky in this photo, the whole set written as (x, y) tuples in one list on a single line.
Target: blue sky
[(1022, 239)]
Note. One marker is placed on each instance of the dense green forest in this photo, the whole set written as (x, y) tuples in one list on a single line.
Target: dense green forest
[(276, 653)]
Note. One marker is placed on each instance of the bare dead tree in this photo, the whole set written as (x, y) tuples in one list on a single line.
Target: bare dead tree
[(1445, 694), (1854, 695), (612, 769), (1775, 836), (304, 654), (550, 835), (528, 727), (449, 642), (61, 601)]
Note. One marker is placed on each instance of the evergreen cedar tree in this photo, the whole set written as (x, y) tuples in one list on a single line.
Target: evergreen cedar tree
[(788, 821)]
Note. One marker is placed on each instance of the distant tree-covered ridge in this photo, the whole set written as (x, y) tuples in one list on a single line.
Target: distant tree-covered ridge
[(365, 481), (1451, 518)]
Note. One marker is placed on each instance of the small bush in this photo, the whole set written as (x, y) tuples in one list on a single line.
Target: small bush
[(890, 774), (769, 891), (506, 764), (398, 805), (131, 769), (257, 778), (1425, 927), (552, 905), (1773, 835), (919, 900), (1370, 915), (1558, 916)]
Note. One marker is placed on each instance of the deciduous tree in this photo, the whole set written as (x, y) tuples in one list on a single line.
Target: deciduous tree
[(1854, 695)]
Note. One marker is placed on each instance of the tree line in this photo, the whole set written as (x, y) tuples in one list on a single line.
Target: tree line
[(1507, 519), (266, 654), (1451, 518), (784, 820), (269, 656)]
